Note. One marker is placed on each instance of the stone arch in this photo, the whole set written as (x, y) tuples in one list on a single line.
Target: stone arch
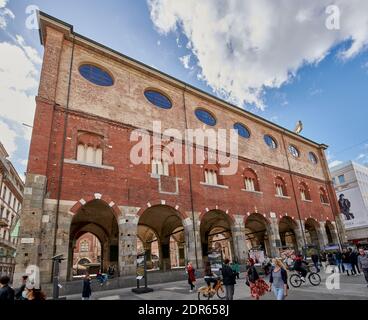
[(312, 233), (331, 233), (164, 221), (289, 235), (259, 233), (99, 218), (216, 233)]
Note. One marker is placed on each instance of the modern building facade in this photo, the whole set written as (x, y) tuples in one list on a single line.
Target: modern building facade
[(11, 198), (81, 177), (351, 183)]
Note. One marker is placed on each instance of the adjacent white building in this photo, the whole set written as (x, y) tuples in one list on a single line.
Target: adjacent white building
[(351, 180), (11, 198)]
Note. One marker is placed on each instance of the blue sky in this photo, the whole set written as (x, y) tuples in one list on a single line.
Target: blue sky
[(298, 76)]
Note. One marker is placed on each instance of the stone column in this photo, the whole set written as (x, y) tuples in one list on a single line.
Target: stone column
[(274, 237), (31, 227), (128, 224), (299, 234), (322, 235), (239, 242), (193, 239)]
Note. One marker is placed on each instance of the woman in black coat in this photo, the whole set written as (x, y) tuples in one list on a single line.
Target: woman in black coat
[(86, 293)]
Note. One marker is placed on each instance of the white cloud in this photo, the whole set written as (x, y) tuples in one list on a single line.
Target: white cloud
[(5, 14), (7, 138), (185, 60), (244, 47), (334, 163), (18, 77), (361, 156), (31, 53)]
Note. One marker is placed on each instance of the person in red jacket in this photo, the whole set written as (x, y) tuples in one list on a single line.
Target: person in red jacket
[(191, 276)]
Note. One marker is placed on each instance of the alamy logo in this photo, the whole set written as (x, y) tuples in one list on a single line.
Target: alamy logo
[(32, 21), (210, 146)]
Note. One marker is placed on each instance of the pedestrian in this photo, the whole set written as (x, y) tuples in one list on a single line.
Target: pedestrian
[(235, 267), (210, 276), (323, 259), (331, 261), (258, 287), (363, 263), (87, 291), (354, 261), (338, 259), (278, 279), (346, 262), (21, 292), (228, 279), (191, 276), (35, 294), (6, 292), (315, 260)]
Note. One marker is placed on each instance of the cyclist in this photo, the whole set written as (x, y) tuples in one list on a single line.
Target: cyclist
[(210, 276), (298, 266)]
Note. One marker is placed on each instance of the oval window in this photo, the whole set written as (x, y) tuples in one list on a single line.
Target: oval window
[(96, 75), (294, 151), (158, 99), (270, 142), (205, 117), (242, 130), (313, 158)]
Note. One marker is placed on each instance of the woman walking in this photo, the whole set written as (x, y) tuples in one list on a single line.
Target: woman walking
[(346, 262), (278, 280), (86, 293), (191, 276), (258, 287)]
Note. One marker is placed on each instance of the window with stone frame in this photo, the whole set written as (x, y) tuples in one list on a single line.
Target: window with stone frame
[(251, 180), (90, 148), (323, 196), (210, 176), (304, 192), (160, 167), (84, 246), (280, 187)]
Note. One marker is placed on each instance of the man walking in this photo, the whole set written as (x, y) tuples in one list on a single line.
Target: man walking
[(315, 260), (6, 292), (363, 263), (228, 278)]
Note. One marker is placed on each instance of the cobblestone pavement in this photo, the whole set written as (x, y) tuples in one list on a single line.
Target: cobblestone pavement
[(351, 288)]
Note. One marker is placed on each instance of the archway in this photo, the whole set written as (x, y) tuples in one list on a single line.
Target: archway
[(86, 255), (311, 233), (215, 230), (331, 233), (257, 234), (96, 218), (287, 227), (161, 236)]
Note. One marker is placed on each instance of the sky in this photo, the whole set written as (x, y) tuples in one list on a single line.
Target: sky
[(284, 60)]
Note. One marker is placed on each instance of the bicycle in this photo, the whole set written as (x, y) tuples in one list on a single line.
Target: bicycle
[(208, 292), (296, 279)]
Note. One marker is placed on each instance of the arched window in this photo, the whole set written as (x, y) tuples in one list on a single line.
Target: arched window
[(280, 187), (251, 180), (304, 192), (160, 167), (89, 149), (84, 246), (210, 176), (312, 158), (323, 196)]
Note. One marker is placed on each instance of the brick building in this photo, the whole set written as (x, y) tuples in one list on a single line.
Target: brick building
[(80, 178), (11, 198)]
